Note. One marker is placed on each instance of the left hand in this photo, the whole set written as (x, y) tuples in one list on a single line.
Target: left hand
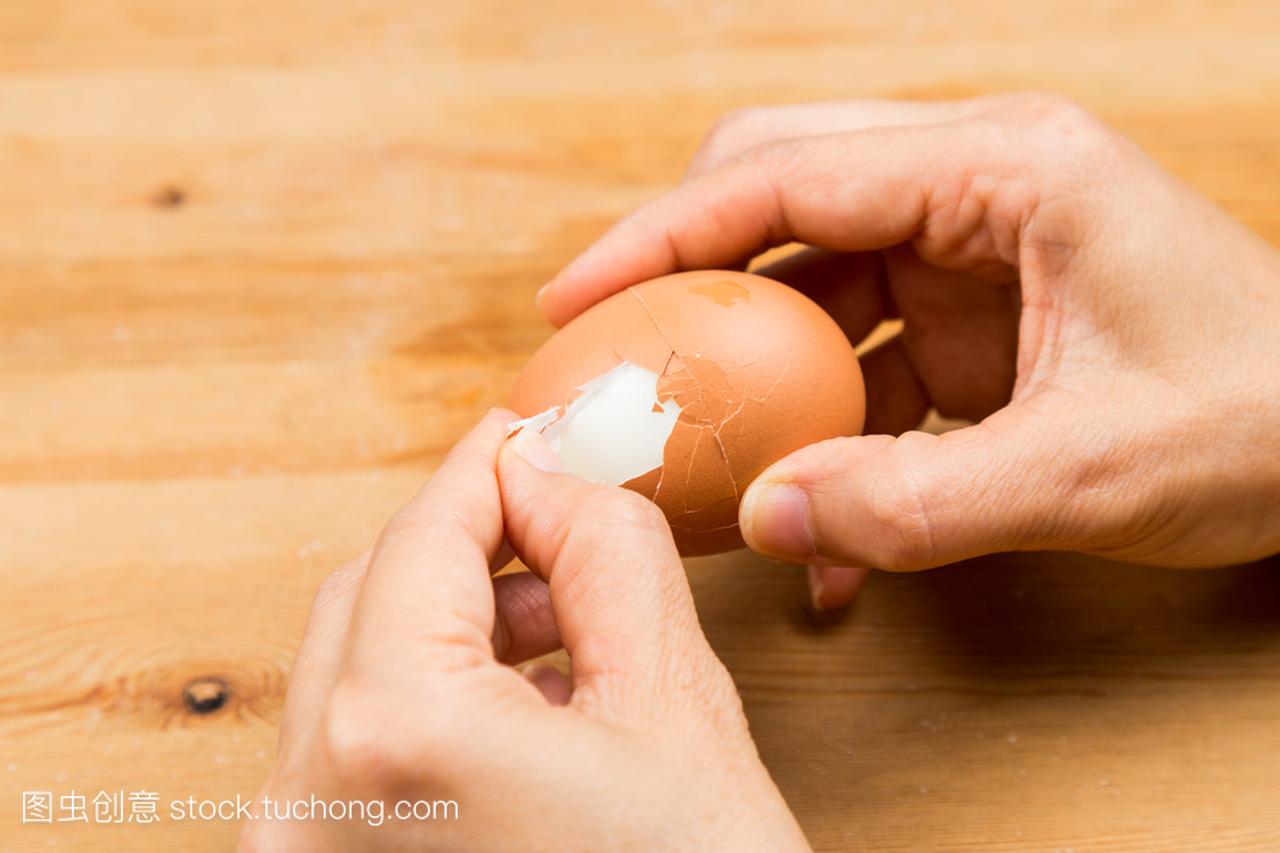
[(402, 689)]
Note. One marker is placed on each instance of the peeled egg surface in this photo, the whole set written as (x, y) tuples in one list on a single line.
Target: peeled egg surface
[(685, 388)]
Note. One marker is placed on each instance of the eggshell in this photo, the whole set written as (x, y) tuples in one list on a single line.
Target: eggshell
[(758, 369)]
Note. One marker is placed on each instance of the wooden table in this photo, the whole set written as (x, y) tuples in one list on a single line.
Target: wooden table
[(260, 263)]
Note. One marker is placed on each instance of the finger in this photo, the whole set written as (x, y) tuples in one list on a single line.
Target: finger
[(961, 334), (834, 587), (315, 667), (524, 626), (896, 398), (851, 287), (618, 589), (745, 129), (915, 501), (427, 596), (806, 190), (502, 558), (553, 684)]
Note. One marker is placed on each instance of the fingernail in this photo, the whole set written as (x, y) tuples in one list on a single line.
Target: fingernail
[(835, 587), (530, 446), (550, 682), (816, 586), (776, 520), (537, 297)]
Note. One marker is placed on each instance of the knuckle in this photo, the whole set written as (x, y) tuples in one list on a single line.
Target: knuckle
[(620, 509), (1035, 107), (726, 139), (775, 157), (409, 520), (410, 527), (366, 751), (730, 127), (709, 691), (608, 518), (1062, 128), (902, 535), (404, 521), (339, 581)]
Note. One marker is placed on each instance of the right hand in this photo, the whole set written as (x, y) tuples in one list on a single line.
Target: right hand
[(1115, 335)]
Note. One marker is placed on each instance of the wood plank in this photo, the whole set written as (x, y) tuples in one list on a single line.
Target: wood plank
[(261, 263)]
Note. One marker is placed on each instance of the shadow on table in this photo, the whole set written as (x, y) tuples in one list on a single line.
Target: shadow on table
[(1039, 701)]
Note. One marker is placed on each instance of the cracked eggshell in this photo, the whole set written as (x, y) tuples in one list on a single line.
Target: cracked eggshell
[(757, 368)]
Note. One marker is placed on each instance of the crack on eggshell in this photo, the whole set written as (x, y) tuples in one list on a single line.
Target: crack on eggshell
[(666, 367), (680, 377), (662, 471), (747, 398), (724, 454), (703, 530), (652, 319), (696, 419), (688, 472)]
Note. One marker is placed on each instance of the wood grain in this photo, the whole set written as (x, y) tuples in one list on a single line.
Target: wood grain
[(261, 263)]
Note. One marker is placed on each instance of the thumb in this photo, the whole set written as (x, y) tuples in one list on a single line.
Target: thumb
[(911, 502), (618, 589)]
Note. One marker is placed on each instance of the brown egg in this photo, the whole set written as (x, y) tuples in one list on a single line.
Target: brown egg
[(685, 388)]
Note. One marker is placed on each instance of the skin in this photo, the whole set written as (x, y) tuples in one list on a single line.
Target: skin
[(402, 689), (1112, 333)]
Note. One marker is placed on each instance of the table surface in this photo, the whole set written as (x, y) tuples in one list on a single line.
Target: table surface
[(261, 263)]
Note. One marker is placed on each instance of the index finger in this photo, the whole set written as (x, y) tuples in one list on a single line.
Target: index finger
[(858, 191), (744, 129), (427, 595)]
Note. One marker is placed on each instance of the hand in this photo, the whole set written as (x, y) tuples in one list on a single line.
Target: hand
[(1115, 335), (400, 692)]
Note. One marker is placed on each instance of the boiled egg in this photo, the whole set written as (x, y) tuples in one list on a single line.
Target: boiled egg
[(685, 388)]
